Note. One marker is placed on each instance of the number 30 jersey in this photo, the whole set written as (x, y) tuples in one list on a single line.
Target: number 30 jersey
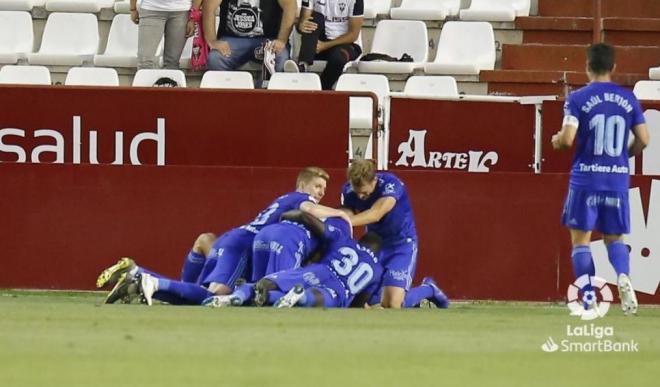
[(356, 267), (604, 114)]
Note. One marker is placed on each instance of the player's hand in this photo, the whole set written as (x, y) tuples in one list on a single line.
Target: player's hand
[(190, 28), (308, 26), (222, 47), (277, 46), (556, 144), (135, 16)]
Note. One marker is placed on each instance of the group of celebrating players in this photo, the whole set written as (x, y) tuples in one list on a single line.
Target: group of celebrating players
[(297, 252)]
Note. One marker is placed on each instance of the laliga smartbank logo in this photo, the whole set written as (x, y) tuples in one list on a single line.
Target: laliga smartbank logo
[(594, 302)]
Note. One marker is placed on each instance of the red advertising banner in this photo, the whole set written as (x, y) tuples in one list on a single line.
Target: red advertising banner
[(467, 136), (164, 126), (553, 161)]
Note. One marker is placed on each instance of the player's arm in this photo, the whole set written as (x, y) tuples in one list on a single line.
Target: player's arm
[(320, 211), (641, 141), (565, 137), (312, 223), (374, 214)]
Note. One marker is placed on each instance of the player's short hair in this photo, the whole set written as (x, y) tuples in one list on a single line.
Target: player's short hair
[(309, 173), (361, 171), (372, 241), (600, 58)]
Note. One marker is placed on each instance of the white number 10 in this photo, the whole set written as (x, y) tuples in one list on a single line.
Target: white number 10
[(608, 134)]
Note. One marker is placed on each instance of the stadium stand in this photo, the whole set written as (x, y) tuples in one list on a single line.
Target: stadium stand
[(654, 73), (69, 39), (92, 76), (496, 10), (464, 48), (431, 85), (16, 36), (227, 80), (294, 81), (396, 38), (121, 50), (147, 77), (91, 6), (24, 75), (376, 8), (20, 5), (647, 90), (425, 9)]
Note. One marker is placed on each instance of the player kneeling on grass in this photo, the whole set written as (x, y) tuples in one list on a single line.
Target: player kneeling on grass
[(213, 265), (346, 275), (601, 116)]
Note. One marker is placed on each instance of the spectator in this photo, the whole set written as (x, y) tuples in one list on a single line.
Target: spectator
[(245, 27), (158, 19), (329, 31)]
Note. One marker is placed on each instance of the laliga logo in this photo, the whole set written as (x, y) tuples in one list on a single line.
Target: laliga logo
[(594, 309), (472, 161)]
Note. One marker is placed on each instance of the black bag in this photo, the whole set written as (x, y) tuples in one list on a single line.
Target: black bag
[(374, 56)]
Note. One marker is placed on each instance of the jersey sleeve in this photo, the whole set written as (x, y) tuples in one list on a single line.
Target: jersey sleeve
[(571, 112), (358, 9), (347, 197), (393, 187), (333, 234)]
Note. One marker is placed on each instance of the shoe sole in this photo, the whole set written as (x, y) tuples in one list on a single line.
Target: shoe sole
[(113, 273), (120, 290)]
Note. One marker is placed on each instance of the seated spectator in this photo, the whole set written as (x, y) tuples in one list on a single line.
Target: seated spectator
[(245, 28), (329, 31), (158, 19)]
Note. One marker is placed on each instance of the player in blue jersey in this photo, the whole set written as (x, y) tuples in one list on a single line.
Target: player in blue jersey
[(213, 265), (599, 118), (380, 201), (346, 275)]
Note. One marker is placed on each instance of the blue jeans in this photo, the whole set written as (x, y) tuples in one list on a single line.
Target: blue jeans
[(243, 51)]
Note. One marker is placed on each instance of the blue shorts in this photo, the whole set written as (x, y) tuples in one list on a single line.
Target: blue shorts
[(605, 211), (231, 252), (278, 247), (400, 262), (318, 276)]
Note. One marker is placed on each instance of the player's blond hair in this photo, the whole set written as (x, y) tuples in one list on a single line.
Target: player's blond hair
[(361, 172), (309, 173)]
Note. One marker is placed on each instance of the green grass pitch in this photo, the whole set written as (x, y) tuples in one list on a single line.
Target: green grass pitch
[(69, 339)]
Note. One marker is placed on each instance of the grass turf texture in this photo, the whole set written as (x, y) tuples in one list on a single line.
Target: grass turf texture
[(68, 339)]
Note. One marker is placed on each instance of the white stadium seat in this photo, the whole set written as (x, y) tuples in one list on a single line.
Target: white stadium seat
[(69, 39), (124, 6), (647, 90), (496, 10), (431, 85), (16, 36), (654, 73), (25, 75), (361, 108), (121, 50), (92, 76), (147, 77), (425, 9), (395, 38), (20, 5), (375, 8), (464, 48), (227, 80), (294, 81), (92, 6)]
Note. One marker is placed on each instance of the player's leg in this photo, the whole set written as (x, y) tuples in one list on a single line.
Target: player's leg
[(580, 215), (400, 262), (196, 258), (307, 298), (232, 251), (171, 291), (428, 290)]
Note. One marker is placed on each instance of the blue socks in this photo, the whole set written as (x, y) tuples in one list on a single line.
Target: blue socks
[(192, 293), (244, 292), (274, 295), (415, 295), (192, 267), (619, 256), (583, 263)]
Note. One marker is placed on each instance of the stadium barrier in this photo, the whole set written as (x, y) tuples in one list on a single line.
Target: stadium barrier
[(482, 236)]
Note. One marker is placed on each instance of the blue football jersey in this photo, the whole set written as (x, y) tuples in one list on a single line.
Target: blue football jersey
[(604, 114), (355, 266), (272, 213), (398, 224)]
